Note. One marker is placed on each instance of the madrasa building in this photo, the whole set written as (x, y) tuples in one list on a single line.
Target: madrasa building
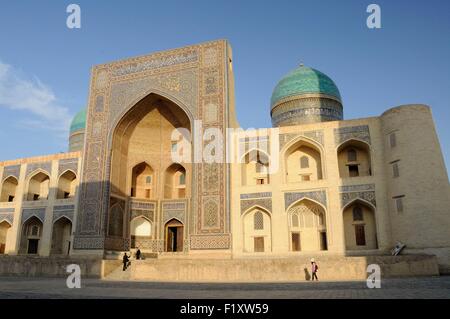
[(312, 185)]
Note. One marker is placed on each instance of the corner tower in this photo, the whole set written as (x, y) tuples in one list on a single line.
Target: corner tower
[(305, 95)]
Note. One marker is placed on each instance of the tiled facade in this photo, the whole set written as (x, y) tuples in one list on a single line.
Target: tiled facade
[(340, 186)]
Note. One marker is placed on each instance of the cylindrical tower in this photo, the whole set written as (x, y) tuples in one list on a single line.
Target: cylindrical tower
[(417, 183), (77, 128), (303, 96)]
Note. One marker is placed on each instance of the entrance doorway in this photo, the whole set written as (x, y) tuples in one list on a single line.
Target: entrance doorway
[(296, 242), (174, 236), (33, 246)]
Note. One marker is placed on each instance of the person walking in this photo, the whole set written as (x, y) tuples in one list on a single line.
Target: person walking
[(138, 254), (125, 261), (314, 269)]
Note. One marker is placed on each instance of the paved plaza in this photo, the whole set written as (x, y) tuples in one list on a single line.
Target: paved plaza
[(13, 287)]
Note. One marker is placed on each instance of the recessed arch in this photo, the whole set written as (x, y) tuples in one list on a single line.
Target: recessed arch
[(255, 165), (360, 233), (292, 155), (307, 226), (354, 158), (140, 98), (306, 198), (174, 235), (31, 235), (38, 186), (140, 231), (9, 189), (67, 184), (175, 182), (142, 181), (257, 230), (61, 236)]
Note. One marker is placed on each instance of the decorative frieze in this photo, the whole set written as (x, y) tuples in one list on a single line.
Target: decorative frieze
[(198, 242), (13, 170), (7, 215), (46, 166), (365, 192), (27, 213), (344, 134), (319, 196), (316, 136), (160, 62), (68, 164), (64, 210)]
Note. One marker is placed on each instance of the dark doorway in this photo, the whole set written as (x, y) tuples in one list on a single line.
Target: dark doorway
[(296, 242), (174, 236), (360, 235), (33, 246), (323, 241)]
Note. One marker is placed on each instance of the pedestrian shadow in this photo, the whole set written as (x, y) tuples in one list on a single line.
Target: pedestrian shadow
[(307, 275)]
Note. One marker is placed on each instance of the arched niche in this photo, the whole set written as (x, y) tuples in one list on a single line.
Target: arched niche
[(31, 236), (257, 227), (142, 181), (255, 168), (174, 235), (360, 226), (9, 189), (67, 185), (140, 231), (307, 226), (302, 162), (38, 187), (354, 159), (145, 133), (61, 236), (175, 182)]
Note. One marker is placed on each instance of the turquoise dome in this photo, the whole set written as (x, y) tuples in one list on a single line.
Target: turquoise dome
[(79, 121), (304, 80)]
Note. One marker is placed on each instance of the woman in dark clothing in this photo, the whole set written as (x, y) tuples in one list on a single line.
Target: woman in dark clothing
[(125, 260)]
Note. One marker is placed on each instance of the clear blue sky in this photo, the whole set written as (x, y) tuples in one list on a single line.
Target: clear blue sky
[(45, 67)]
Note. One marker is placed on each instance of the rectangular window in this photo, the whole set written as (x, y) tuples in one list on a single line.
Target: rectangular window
[(353, 170), (392, 140), (399, 204), (360, 235), (10, 198), (306, 178), (259, 244), (148, 179), (183, 179), (296, 242), (395, 170), (66, 195), (35, 196), (147, 193), (260, 181)]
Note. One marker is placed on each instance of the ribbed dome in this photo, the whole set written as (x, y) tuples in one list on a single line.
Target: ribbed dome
[(79, 121), (304, 80)]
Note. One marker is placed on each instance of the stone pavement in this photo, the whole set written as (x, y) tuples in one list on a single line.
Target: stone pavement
[(13, 287)]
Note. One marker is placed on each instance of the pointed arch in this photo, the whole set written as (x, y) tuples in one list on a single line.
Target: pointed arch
[(354, 158), (61, 236), (38, 185), (307, 225), (360, 233), (67, 184), (257, 229), (292, 155), (9, 189)]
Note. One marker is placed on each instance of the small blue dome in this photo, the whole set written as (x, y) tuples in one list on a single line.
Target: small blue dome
[(79, 121)]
